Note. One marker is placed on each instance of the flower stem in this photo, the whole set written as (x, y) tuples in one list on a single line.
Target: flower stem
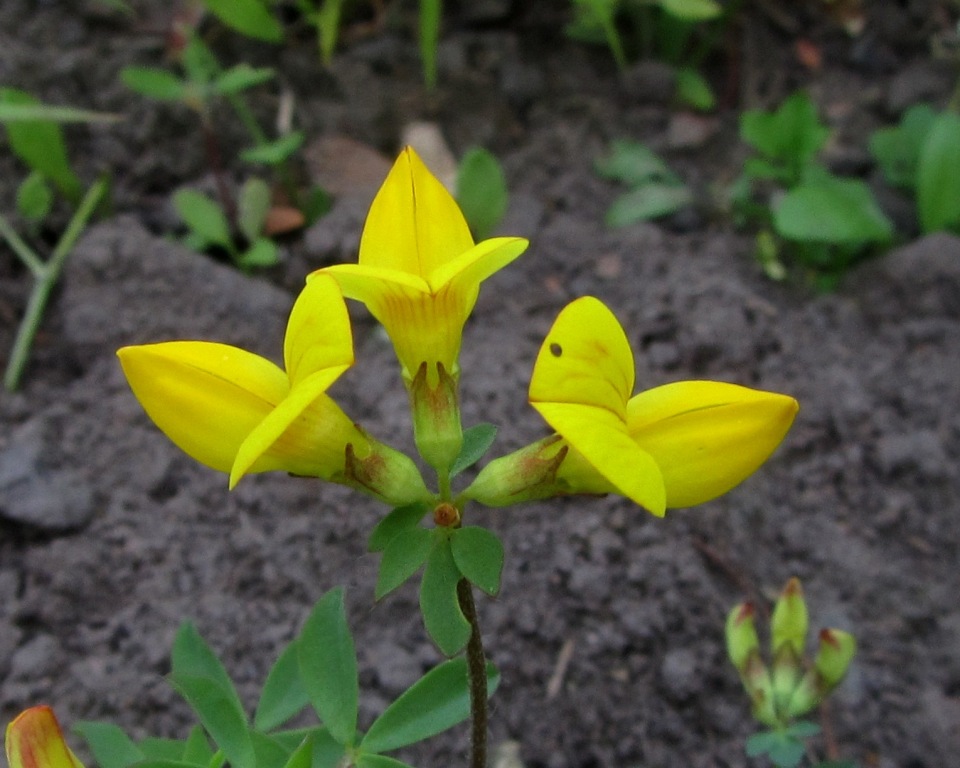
[(477, 673)]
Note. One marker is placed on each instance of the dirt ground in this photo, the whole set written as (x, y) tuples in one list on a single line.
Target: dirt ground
[(608, 630)]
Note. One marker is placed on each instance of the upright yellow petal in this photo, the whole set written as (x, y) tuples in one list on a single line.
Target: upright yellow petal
[(414, 224), (34, 740), (306, 434), (206, 397), (318, 331), (585, 359), (707, 437)]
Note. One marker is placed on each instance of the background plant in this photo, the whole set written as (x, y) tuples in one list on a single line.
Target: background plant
[(35, 137), (826, 222)]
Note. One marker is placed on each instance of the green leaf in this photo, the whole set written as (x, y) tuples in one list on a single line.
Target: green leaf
[(836, 211), (249, 17), (220, 715), (650, 201), (154, 83), (197, 749), (402, 558), (40, 145), (241, 77), (437, 701), (200, 64), (111, 747), (897, 149), (430, 13), (34, 198), (28, 113), (692, 10), (252, 208), (327, 753), (302, 756), (166, 763), (793, 134), (262, 253), (476, 442), (328, 666), (938, 175), (203, 216), (315, 204), (478, 554), (439, 604), (632, 163), (787, 752), (397, 521), (694, 90), (380, 761), (327, 20), (760, 743), (802, 729), (274, 152), (157, 749), (283, 694), (192, 657), (481, 191), (270, 751)]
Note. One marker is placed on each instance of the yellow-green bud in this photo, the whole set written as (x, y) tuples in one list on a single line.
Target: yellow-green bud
[(525, 475), (789, 622), (785, 675), (756, 679), (836, 651), (384, 473), (435, 405), (741, 633)]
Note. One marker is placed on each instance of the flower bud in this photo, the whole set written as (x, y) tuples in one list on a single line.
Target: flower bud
[(436, 416), (785, 676), (34, 740), (789, 622), (836, 651), (741, 635), (759, 686), (525, 475), (385, 473)]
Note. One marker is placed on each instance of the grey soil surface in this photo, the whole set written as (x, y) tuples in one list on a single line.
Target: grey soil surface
[(608, 630)]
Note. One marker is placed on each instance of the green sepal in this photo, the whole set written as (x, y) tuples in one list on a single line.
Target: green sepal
[(478, 555), (284, 694), (328, 666), (476, 442), (398, 520), (402, 558), (437, 701), (442, 616)]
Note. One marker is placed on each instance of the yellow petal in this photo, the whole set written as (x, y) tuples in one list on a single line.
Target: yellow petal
[(414, 224), (602, 439), (306, 434), (478, 263), (585, 359), (318, 332), (206, 397), (423, 327), (706, 436), (34, 740)]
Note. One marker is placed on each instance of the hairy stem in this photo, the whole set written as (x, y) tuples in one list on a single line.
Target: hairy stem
[(477, 672)]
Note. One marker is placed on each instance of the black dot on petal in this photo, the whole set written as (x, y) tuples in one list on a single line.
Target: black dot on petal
[(556, 350)]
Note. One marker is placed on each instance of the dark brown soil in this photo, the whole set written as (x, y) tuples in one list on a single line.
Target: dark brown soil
[(109, 537)]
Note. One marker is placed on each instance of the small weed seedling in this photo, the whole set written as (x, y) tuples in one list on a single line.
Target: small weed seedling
[(827, 221), (481, 191), (791, 686), (921, 155), (655, 190), (666, 29), (35, 137), (210, 228)]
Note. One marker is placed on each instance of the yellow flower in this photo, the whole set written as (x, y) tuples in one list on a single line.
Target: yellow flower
[(676, 445), (239, 413), (419, 271), (34, 740)]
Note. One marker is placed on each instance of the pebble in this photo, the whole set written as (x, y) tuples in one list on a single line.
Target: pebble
[(921, 450), (678, 674), (38, 657)]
